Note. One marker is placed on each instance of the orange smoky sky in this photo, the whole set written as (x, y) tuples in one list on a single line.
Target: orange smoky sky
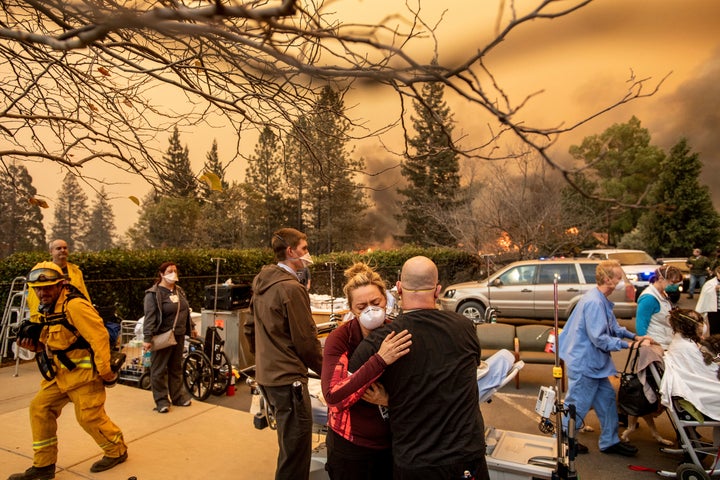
[(578, 64)]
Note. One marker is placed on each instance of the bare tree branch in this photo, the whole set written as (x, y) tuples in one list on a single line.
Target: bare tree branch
[(79, 80)]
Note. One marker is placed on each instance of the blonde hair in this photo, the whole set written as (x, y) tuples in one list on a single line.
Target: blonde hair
[(361, 275), (605, 270)]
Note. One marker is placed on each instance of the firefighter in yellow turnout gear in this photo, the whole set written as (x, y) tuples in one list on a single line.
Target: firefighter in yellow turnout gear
[(80, 367)]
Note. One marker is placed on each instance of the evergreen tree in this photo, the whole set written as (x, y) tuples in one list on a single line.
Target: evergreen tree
[(21, 227), (298, 157), (72, 218), (223, 222), (264, 176), (334, 202), (624, 166), (166, 222), (178, 180), (431, 172), (101, 235), (682, 216), (213, 165)]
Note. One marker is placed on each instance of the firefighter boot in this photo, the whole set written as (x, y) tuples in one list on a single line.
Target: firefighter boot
[(35, 473)]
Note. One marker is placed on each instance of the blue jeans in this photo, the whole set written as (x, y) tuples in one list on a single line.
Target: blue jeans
[(586, 392), (696, 280)]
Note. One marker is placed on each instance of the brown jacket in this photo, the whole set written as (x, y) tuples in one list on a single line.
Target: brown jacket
[(284, 332)]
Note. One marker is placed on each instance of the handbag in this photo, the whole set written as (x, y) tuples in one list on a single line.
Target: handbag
[(165, 339), (631, 397)]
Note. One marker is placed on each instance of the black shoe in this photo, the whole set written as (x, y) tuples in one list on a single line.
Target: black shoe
[(35, 473), (106, 463), (581, 449), (620, 448)]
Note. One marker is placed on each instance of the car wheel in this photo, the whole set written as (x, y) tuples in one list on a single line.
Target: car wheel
[(475, 311)]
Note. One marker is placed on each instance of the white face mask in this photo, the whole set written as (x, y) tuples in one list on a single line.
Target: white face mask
[(306, 260), (372, 317), (620, 285), (171, 277)]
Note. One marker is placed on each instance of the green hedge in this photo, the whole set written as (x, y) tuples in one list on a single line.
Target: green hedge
[(120, 277)]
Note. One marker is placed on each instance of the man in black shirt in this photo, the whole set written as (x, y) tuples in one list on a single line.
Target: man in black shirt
[(436, 424)]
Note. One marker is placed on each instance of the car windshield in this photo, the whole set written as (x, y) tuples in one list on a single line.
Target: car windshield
[(632, 258)]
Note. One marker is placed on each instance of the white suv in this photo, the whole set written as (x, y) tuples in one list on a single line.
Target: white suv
[(637, 264)]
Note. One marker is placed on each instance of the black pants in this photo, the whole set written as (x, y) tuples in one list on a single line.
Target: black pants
[(472, 469), (347, 461), (294, 430), (166, 375)]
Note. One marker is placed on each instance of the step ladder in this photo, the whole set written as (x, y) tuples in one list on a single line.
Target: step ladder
[(15, 312)]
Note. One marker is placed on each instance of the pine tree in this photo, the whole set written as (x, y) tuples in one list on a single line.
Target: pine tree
[(431, 172), (682, 216), (324, 172), (101, 235), (71, 214), (297, 160), (178, 180), (264, 177), (166, 222), (21, 227), (213, 165)]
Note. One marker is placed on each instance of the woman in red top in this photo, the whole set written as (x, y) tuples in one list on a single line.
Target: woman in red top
[(358, 440)]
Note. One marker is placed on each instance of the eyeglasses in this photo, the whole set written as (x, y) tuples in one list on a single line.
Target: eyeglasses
[(44, 275)]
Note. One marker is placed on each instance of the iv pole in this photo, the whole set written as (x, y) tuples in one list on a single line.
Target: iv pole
[(565, 466)]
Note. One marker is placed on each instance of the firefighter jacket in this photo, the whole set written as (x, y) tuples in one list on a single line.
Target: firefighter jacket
[(89, 362)]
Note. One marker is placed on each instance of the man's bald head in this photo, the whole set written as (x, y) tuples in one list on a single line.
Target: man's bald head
[(59, 251), (419, 273)]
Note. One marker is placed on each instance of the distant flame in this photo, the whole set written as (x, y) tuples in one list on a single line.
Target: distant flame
[(505, 243)]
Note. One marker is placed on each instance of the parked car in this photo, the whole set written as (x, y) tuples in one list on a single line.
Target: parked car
[(526, 290), (637, 264)]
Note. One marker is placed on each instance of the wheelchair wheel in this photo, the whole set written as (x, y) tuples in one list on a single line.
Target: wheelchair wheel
[(221, 376), (690, 471), (198, 375), (145, 382)]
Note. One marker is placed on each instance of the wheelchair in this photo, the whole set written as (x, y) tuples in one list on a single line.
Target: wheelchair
[(206, 367)]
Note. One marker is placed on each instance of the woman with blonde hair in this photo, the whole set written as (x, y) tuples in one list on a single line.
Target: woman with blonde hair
[(358, 439)]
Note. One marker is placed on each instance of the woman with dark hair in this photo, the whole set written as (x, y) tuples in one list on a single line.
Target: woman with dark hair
[(686, 374), (654, 305), (166, 307)]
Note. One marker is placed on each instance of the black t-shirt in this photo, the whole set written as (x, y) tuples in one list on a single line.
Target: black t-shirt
[(434, 414)]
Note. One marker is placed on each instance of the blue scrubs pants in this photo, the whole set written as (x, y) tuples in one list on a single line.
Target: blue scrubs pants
[(598, 393)]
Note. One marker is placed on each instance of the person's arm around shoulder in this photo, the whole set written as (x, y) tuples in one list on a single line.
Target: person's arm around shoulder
[(368, 347), (343, 390)]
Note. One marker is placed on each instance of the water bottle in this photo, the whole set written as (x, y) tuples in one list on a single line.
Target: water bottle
[(146, 359)]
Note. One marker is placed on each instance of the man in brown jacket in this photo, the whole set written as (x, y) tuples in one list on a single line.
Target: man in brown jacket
[(284, 335)]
